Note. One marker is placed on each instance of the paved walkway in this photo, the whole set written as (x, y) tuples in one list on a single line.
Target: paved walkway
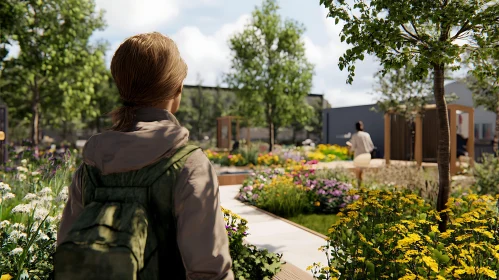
[(298, 246)]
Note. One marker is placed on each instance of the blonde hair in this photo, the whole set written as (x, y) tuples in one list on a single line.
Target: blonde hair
[(147, 69)]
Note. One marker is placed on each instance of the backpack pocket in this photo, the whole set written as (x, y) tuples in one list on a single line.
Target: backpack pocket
[(108, 241)]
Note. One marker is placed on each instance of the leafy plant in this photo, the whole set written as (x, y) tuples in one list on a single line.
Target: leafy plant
[(248, 262), (487, 175), (395, 235)]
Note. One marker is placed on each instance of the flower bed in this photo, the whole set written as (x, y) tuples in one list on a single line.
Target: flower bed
[(32, 196), (296, 190), (248, 156), (394, 235)]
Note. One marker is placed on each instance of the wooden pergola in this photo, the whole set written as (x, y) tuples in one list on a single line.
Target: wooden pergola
[(419, 125), (224, 131)]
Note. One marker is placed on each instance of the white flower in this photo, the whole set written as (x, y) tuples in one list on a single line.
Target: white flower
[(41, 213), (14, 235), (8, 196), (23, 208), (24, 162), (16, 251), (21, 177), (35, 173), (45, 191), (19, 226), (4, 224), (43, 236), (63, 195), (22, 169), (4, 187), (30, 196)]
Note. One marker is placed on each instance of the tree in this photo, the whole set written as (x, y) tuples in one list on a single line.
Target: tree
[(54, 71), (397, 92), (427, 33), (269, 71), (483, 81)]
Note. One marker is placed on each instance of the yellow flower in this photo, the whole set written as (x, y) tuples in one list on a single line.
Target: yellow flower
[(488, 272), (6, 277), (431, 263), (317, 203)]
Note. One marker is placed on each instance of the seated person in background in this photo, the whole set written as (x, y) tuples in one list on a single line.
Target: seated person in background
[(461, 146)]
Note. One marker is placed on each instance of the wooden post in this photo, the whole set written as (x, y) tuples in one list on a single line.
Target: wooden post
[(229, 133), (453, 138), (470, 145), (387, 138), (237, 129), (219, 133), (418, 149)]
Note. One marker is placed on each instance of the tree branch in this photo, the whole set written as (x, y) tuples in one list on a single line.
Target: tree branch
[(412, 35), (463, 29), (415, 30)]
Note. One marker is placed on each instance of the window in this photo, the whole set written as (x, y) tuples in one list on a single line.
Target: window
[(477, 131), (487, 131)]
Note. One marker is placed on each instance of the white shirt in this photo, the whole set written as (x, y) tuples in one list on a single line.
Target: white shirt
[(361, 143)]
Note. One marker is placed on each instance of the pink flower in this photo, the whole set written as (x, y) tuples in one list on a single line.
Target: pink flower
[(229, 156)]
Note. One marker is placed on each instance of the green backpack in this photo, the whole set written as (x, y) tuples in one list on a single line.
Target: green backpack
[(127, 228)]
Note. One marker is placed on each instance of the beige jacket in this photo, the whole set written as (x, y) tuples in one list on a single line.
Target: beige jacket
[(201, 235), (361, 143)]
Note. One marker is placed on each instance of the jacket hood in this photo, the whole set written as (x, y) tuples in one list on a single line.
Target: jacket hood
[(157, 134)]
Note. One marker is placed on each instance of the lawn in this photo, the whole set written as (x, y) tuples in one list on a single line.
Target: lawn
[(316, 222)]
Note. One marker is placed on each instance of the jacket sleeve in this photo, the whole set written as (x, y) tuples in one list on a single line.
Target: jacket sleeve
[(201, 234), (74, 206)]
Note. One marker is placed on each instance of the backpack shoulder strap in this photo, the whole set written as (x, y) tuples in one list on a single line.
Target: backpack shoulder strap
[(181, 155)]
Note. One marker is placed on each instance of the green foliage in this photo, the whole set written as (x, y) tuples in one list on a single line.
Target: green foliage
[(394, 235), (317, 222), (200, 107), (487, 175), (248, 262), (269, 71), (397, 92), (285, 199), (10, 12), (53, 76)]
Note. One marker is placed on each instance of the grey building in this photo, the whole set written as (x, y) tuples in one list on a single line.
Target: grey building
[(339, 123)]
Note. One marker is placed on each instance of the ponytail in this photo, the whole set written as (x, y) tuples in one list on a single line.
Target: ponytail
[(123, 118)]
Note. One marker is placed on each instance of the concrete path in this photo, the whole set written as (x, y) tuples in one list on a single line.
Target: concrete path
[(299, 247)]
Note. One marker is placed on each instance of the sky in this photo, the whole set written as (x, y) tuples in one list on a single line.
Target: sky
[(202, 28)]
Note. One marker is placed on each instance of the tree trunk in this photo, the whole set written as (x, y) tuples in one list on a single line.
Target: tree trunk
[(496, 132), (35, 110), (271, 136), (443, 146)]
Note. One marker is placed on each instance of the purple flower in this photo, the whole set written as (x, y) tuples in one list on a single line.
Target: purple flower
[(343, 205), (255, 196), (337, 193), (248, 188)]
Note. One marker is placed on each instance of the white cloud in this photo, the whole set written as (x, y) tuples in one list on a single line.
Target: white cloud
[(207, 55), (329, 79), (132, 16)]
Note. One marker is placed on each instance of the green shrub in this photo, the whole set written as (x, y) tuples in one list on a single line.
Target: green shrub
[(487, 175), (282, 197), (248, 262)]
